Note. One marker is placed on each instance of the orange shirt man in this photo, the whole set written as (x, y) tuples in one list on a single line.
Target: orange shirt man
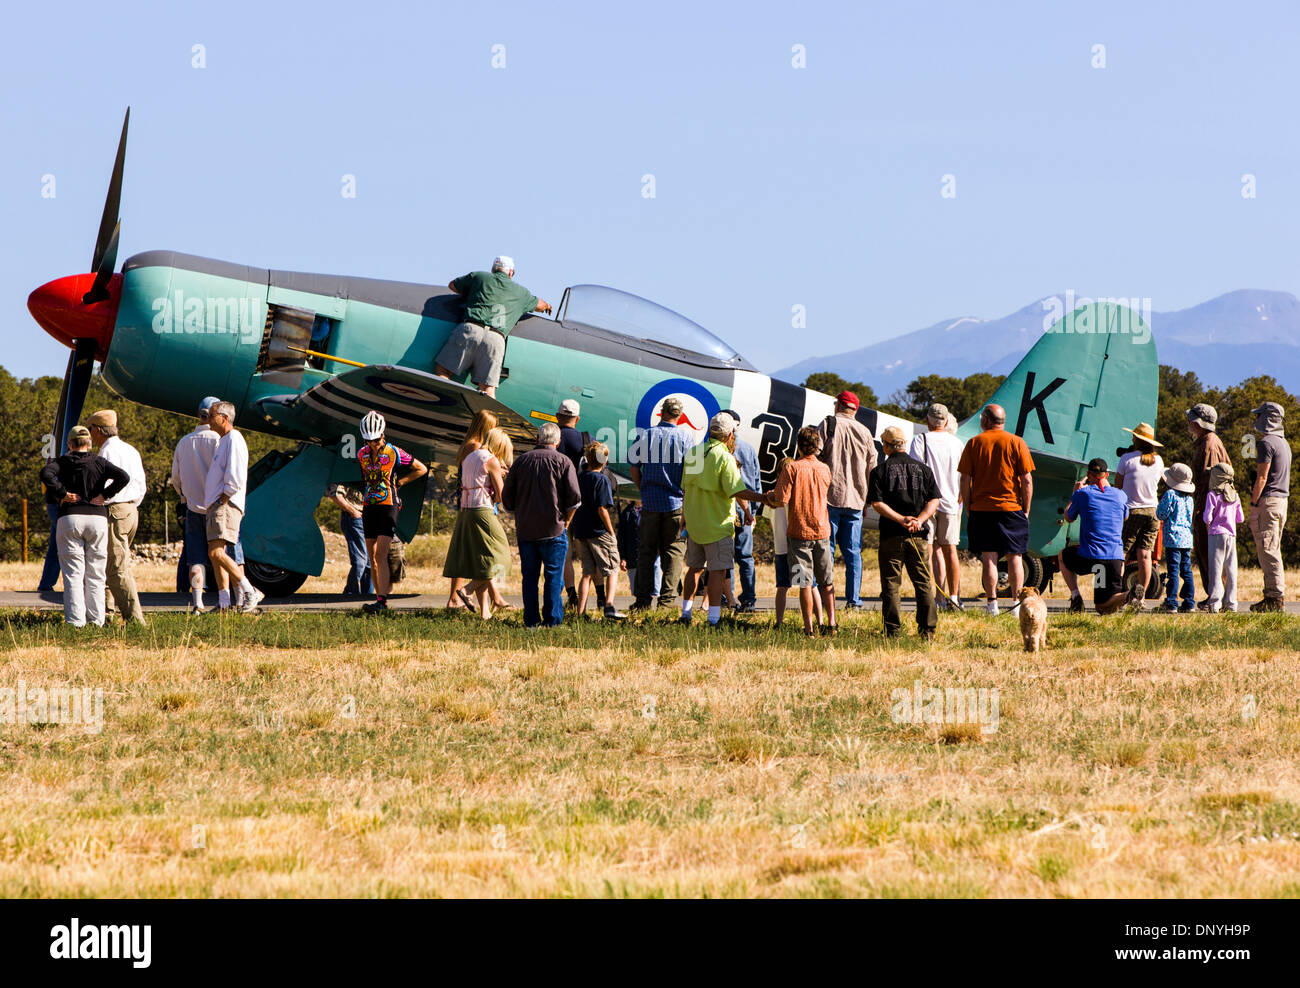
[(997, 486)]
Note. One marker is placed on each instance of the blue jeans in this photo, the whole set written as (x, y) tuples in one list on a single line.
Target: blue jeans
[(846, 532), (1179, 562), (534, 557), (50, 572), (744, 556), (359, 582)]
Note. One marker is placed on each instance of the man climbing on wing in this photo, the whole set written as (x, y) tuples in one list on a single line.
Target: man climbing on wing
[(494, 303)]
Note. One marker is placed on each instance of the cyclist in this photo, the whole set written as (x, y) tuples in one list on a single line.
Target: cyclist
[(379, 460)]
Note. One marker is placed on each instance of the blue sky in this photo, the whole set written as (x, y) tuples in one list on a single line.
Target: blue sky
[(774, 186)]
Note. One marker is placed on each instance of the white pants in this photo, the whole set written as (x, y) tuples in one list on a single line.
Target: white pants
[(1223, 572), (83, 557)]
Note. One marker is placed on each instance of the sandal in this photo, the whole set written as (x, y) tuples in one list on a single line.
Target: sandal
[(465, 599)]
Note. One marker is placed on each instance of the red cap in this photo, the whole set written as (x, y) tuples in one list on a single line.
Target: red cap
[(848, 398)]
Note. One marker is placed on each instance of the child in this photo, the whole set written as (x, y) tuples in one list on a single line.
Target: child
[(1175, 510), (803, 485), (1222, 516), (781, 560), (595, 543)]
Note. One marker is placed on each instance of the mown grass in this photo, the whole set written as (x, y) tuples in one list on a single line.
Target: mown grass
[(435, 754)]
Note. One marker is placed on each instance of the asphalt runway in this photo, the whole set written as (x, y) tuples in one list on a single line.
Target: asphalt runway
[(308, 602)]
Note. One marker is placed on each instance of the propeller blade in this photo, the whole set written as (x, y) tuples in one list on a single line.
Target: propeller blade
[(112, 204), (72, 397), (99, 289)]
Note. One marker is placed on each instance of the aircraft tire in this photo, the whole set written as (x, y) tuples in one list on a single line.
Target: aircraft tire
[(272, 580), (1036, 574)]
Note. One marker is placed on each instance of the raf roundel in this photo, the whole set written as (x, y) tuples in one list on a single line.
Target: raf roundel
[(698, 405)]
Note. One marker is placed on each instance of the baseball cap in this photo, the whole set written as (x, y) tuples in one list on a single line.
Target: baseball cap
[(78, 432), (848, 398), (722, 425), (937, 412), (671, 408), (503, 261), (569, 408), (105, 416), (1098, 465), (207, 403)]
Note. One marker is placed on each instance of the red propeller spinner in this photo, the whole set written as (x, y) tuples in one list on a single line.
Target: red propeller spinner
[(59, 308)]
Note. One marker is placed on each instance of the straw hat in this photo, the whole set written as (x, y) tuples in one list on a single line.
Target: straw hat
[(1145, 433)]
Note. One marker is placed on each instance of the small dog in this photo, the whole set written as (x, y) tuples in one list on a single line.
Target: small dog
[(1033, 620)]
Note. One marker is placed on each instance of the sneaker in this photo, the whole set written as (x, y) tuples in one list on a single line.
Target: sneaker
[(830, 630), (194, 608), (684, 620), (375, 606), (250, 602), (638, 607), (1076, 605), (1267, 604), (1187, 607), (852, 605), (1203, 605), (745, 608), (613, 614), (991, 606), (956, 602), (1169, 607)]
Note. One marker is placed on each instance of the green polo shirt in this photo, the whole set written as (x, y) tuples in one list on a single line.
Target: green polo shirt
[(710, 479), (494, 299)]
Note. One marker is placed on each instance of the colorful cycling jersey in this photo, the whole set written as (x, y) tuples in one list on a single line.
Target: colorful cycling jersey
[(377, 468)]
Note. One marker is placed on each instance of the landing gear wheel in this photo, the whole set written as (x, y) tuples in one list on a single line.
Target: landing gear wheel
[(1034, 572), (1154, 585), (272, 580)]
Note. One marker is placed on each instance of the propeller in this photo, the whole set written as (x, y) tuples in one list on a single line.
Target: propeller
[(104, 260), (80, 310)]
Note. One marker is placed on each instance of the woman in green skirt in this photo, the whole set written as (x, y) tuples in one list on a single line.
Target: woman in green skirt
[(479, 552)]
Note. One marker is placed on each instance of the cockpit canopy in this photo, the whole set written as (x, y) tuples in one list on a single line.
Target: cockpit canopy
[(645, 324)]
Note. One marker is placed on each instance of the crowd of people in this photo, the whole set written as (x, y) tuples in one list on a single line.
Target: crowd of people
[(693, 526), (94, 499)]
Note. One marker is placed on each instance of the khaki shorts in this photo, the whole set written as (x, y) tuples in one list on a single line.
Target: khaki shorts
[(810, 562), (945, 528), (599, 556), (476, 349), (223, 523), (1140, 526), (716, 557)]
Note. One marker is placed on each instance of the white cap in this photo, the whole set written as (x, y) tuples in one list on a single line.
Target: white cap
[(722, 425), (503, 261), (569, 407)]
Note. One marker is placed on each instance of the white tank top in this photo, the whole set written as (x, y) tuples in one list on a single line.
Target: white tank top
[(475, 488)]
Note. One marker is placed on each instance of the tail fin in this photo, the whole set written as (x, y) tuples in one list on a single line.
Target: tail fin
[(1091, 374)]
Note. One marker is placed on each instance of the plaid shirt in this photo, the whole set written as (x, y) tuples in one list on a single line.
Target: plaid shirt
[(659, 453)]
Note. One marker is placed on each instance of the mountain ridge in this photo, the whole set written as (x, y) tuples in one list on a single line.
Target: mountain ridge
[(1239, 334)]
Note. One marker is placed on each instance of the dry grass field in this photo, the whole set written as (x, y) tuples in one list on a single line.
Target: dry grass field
[(434, 754)]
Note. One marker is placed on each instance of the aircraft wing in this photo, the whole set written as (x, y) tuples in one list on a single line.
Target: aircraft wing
[(425, 412)]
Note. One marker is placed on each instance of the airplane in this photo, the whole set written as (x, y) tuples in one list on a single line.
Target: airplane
[(304, 356)]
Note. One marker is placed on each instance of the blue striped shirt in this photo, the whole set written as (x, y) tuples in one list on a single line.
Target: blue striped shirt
[(659, 453)]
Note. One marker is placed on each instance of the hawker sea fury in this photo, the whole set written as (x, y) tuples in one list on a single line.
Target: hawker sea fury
[(304, 356)]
